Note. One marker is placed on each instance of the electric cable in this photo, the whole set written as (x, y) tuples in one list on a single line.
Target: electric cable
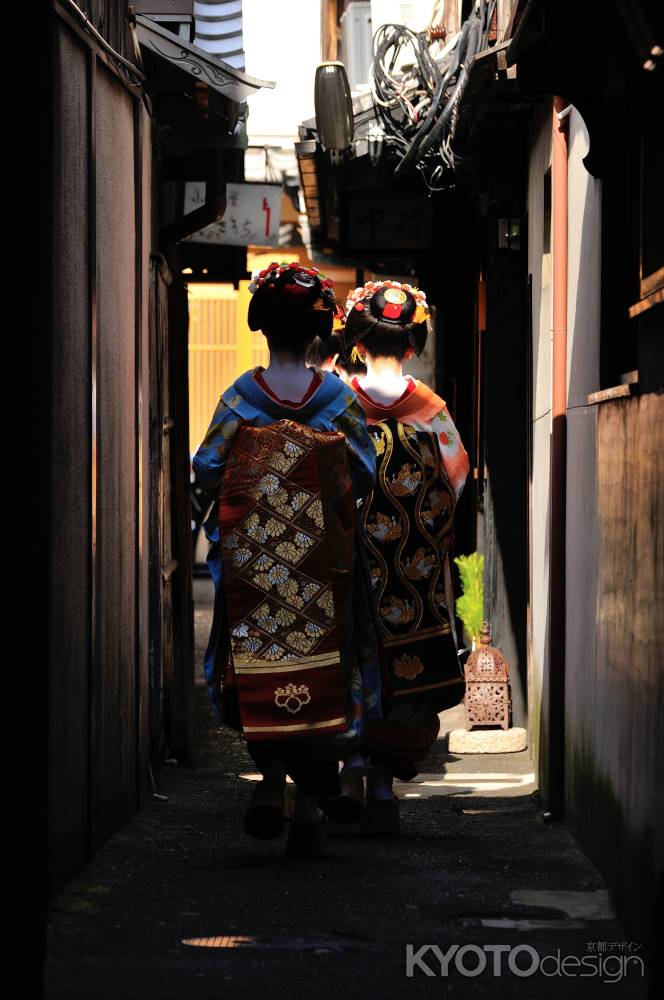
[(417, 102)]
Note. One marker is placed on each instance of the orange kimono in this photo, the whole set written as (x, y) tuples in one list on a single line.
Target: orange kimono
[(407, 529)]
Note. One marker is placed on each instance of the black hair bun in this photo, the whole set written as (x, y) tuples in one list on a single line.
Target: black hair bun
[(292, 305), (393, 305)]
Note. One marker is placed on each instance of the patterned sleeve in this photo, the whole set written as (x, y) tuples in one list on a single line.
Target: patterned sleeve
[(452, 451), (362, 453), (208, 462)]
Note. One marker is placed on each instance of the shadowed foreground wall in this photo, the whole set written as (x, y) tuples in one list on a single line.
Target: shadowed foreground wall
[(615, 697), (97, 650)]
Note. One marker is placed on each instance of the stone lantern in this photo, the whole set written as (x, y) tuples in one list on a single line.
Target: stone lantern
[(487, 698)]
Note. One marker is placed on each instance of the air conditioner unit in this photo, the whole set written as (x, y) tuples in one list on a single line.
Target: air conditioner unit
[(356, 42), (415, 14)]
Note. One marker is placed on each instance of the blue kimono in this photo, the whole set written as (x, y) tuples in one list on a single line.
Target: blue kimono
[(333, 406)]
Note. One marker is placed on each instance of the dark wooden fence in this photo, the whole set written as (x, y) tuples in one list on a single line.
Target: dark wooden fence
[(98, 529)]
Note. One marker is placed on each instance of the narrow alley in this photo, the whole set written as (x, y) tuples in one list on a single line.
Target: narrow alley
[(351, 530), (181, 904)]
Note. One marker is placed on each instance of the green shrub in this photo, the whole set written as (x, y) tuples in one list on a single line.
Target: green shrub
[(470, 606)]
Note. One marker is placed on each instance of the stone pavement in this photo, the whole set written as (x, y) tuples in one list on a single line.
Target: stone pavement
[(180, 904)]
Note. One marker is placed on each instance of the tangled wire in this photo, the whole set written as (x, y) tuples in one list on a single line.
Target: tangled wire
[(418, 106)]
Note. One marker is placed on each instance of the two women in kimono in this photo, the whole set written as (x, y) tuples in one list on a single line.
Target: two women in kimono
[(391, 424)]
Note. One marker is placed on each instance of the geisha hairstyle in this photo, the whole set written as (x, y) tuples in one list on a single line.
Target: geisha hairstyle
[(387, 318), (292, 304), (322, 348)]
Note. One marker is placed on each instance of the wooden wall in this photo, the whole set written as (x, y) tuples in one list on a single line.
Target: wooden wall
[(615, 751), (69, 545), (98, 639)]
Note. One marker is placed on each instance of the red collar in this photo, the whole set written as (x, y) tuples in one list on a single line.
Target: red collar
[(316, 380)]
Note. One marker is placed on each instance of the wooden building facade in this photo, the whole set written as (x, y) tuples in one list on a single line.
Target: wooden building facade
[(135, 113), (103, 227)]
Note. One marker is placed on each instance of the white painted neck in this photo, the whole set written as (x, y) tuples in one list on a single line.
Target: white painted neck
[(384, 381), (288, 377)]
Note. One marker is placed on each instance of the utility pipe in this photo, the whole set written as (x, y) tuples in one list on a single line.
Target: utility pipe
[(555, 786), (211, 211)]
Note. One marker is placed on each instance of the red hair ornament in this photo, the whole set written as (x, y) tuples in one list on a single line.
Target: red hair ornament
[(391, 301)]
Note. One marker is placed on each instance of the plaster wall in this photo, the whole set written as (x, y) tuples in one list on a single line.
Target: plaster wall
[(614, 596), (584, 267), (583, 338)]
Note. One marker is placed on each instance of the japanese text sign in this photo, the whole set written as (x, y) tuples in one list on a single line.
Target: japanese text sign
[(387, 225), (252, 216)]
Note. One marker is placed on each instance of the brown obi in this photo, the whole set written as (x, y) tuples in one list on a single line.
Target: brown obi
[(286, 520)]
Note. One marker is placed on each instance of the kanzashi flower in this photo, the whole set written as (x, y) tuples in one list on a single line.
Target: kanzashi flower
[(277, 268), (356, 298)]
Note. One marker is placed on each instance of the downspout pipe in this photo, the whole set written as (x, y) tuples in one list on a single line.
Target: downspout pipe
[(212, 211), (555, 787)]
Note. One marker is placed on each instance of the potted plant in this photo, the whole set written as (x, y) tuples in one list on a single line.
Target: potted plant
[(470, 606)]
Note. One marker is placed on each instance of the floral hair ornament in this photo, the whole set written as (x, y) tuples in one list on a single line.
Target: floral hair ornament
[(297, 284), (391, 301)]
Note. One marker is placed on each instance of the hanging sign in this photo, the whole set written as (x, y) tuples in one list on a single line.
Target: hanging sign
[(374, 224), (252, 216)]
